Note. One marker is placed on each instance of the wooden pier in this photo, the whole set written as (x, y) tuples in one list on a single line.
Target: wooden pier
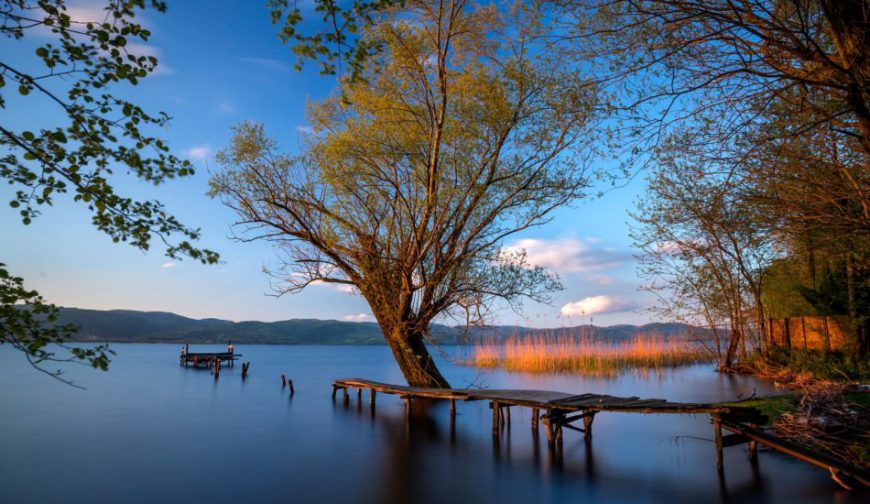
[(560, 410), (208, 359)]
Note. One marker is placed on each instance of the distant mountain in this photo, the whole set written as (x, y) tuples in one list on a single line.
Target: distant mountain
[(161, 327)]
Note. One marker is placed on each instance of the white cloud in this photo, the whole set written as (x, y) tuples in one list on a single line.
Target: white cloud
[(168, 265), (86, 14), (568, 255), (200, 152), (359, 317), (594, 305)]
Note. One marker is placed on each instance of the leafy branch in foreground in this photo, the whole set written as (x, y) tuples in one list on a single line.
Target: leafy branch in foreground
[(90, 135), (29, 325)]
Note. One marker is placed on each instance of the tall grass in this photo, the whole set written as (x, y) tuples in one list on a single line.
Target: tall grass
[(565, 354)]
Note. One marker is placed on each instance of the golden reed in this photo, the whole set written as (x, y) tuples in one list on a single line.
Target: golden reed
[(554, 353)]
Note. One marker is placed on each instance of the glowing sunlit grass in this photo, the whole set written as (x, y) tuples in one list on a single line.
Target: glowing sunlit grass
[(562, 354)]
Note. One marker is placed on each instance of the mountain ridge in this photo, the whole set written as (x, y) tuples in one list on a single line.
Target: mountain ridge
[(119, 326)]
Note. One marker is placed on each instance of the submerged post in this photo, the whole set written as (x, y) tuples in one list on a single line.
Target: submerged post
[(717, 434), (587, 424)]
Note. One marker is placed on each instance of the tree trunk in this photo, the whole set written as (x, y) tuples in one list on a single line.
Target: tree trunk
[(414, 360)]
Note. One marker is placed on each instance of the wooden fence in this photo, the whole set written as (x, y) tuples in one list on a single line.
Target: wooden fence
[(814, 332)]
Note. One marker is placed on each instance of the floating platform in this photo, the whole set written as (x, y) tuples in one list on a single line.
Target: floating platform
[(559, 410), (208, 359)]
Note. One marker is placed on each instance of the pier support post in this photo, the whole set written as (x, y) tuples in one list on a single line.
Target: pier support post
[(717, 434), (452, 411), (496, 417), (359, 395), (334, 391), (372, 399), (548, 429), (535, 417), (345, 395), (292, 390), (587, 425)]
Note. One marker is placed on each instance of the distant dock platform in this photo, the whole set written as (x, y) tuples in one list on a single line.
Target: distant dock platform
[(208, 359)]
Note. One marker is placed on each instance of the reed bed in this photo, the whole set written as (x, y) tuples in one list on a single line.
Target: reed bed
[(565, 354)]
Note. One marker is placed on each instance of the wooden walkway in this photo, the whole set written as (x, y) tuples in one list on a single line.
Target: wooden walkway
[(559, 410)]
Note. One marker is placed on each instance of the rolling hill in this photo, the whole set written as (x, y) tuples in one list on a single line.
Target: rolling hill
[(131, 326)]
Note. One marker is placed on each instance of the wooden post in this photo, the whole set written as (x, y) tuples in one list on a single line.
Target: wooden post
[(496, 420), (334, 390), (535, 416), (548, 430), (753, 448), (587, 425), (292, 390), (827, 334), (372, 398), (408, 408), (283, 381), (717, 433), (359, 395), (804, 328), (245, 366), (452, 411), (508, 411), (345, 395)]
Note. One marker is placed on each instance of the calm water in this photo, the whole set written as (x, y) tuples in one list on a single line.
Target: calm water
[(151, 431)]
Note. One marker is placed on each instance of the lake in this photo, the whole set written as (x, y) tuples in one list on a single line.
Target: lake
[(151, 431)]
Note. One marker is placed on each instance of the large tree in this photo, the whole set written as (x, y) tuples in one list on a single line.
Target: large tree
[(69, 63), (466, 126)]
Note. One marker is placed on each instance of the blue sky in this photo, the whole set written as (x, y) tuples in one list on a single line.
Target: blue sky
[(221, 63)]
